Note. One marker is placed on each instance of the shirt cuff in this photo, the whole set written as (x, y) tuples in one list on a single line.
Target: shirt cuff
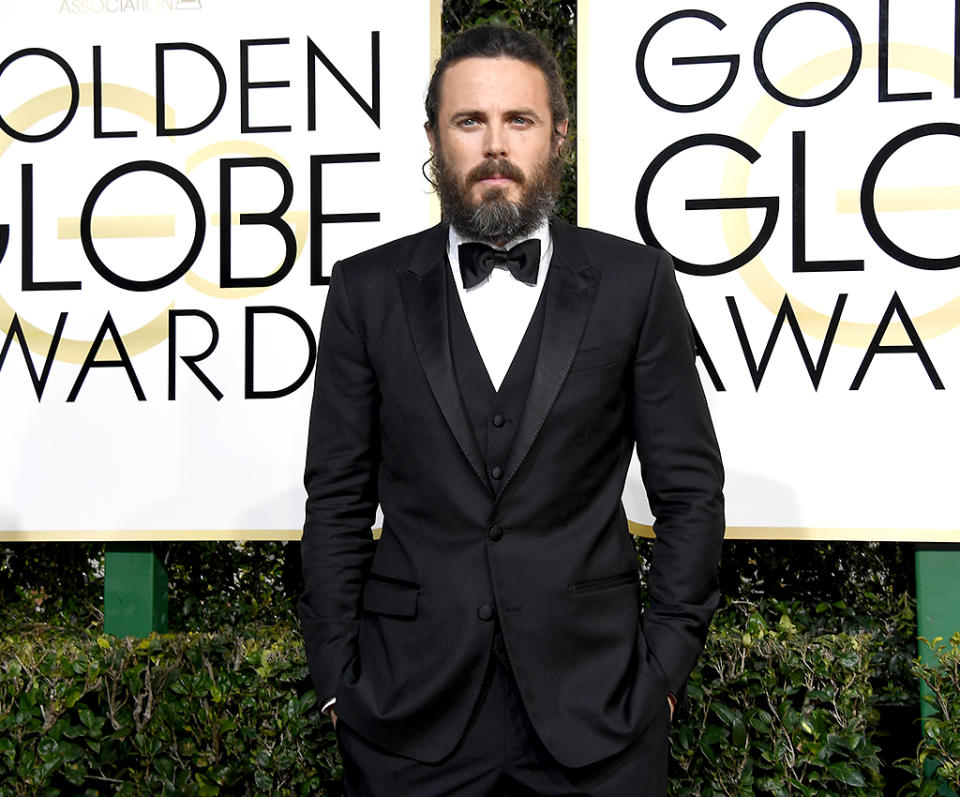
[(328, 705)]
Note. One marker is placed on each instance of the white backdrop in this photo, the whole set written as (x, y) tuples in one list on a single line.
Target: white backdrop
[(871, 451), (89, 457)]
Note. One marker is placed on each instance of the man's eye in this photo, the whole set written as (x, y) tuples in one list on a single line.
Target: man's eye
[(521, 121), (468, 122)]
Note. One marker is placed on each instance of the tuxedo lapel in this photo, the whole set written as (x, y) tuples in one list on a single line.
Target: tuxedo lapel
[(423, 288), (570, 290)]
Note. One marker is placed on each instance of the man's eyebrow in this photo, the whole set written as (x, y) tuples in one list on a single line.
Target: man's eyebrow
[(524, 112), (466, 113)]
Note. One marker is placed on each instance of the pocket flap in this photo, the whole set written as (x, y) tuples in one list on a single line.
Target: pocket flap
[(632, 576), (386, 597), (599, 357)]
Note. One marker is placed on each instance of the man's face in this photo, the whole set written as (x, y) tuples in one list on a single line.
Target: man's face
[(495, 153)]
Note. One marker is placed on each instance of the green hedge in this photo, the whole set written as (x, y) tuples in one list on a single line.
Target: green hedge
[(779, 711), (774, 710), (937, 763), (177, 714)]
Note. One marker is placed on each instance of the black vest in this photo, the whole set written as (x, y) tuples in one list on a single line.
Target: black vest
[(494, 414)]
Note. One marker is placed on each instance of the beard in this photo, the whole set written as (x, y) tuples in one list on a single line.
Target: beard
[(493, 218)]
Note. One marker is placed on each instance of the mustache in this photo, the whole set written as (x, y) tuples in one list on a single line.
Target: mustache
[(500, 166)]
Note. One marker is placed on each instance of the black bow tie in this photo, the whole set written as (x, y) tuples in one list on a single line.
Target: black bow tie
[(478, 260)]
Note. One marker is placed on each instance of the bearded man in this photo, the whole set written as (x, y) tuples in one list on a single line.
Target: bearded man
[(486, 381)]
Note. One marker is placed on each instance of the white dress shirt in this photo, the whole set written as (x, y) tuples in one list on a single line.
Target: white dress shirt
[(498, 311)]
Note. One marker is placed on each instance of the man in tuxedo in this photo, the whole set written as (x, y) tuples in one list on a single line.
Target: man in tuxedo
[(486, 381)]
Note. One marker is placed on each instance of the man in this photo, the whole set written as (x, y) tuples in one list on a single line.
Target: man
[(492, 639)]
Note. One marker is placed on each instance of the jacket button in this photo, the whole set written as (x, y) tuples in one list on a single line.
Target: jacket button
[(495, 533), (485, 612), (498, 420), (497, 472)]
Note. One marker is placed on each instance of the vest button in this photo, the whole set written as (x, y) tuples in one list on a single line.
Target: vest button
[(485, 612), (498, 420), (495, 533), (497, 472)]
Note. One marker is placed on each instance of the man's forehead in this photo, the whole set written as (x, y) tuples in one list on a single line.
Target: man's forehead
[(485, 79)]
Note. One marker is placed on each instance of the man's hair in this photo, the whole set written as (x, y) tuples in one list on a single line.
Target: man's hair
[(499, 41)]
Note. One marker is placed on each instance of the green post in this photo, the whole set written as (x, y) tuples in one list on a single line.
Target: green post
[(938, 605), (134, 590)]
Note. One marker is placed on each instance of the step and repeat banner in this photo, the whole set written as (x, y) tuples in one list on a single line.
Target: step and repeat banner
[(801, 163), (177, 178)]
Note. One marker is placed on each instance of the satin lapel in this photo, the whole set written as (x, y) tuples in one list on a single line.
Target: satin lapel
[(423, 289), (570, 295)]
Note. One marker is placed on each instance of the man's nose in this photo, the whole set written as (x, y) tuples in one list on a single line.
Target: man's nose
[(496, 143)]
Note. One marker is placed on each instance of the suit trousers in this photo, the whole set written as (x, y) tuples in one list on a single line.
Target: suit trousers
[(500, 754)]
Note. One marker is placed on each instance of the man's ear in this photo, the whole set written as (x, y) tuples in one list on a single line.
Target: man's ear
[(562, 132), (430, 136)]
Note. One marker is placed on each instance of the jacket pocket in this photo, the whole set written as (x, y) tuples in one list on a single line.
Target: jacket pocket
[(607, 582), (599, 357), (391, 598)]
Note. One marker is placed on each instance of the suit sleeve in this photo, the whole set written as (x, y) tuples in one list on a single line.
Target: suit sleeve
[(341, 480), (683, 476)]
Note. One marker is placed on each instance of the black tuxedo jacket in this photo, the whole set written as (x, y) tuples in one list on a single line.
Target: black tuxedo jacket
[(400, 630)]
